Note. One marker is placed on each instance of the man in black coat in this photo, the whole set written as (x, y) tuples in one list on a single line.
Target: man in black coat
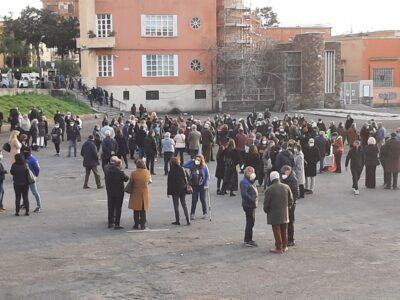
[(289, 178), (322, 144), (90, 161), (115, 178), (356, 159), (109, 148), (150, 149), (391, 154)]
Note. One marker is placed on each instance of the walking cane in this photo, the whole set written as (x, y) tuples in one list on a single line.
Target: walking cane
[(209, 203)]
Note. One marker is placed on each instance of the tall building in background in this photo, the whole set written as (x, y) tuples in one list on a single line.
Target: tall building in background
[(155, 52), (66, 8)]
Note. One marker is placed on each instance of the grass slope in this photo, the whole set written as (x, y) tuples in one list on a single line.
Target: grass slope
[(47, 103)]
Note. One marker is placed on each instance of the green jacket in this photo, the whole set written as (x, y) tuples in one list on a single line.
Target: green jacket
[(278, 199)]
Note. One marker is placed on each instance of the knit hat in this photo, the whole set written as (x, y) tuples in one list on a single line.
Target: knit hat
[(274, 175)]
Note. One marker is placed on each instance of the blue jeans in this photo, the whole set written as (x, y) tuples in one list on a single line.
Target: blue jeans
[(34, 190), (71, 145), (321, 164), (167, 159), (199, 191), (1, 193)]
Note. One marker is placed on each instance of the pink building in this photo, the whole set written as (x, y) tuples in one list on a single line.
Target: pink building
[(155, 52)]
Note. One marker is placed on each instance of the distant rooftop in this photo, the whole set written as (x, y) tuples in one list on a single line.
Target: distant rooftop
[(374, 34)]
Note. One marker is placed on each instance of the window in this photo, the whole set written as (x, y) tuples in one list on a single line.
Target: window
[(383, 77), (104, 25), (200, 94), (195, 65), (160, 65), (105, 65), (330, 72), (125, 95), (195, 23), (152, 95), (293, 66), (159, 25)]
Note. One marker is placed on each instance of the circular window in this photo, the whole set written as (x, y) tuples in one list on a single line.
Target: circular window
[(195, 23), (195, 65)]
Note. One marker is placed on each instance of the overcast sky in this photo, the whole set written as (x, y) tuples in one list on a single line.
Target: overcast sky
[(342, 15)]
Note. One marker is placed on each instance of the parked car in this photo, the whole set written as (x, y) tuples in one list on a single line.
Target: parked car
[(24, 82), (5, 83)]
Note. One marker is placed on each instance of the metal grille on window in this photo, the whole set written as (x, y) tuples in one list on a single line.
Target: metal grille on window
[(293, 67), (195, 65), (383, 77), (329, 72), (195, 23), (104, 25)]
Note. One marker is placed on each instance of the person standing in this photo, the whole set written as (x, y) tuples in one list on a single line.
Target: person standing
[(371, 161), (168, 148), (338, 147), (15, 145), (56, 134), (391, 153), (249, 194), (322, 145), (199, 179), (193, 140), (114, 179), (73, 135), (122, 147), (139, 200), (380, 135), (289, 178), (299, 168), (34, 167), (150, 150), (311, 158), (109, 148), (3, 173), (356, 159), (207, 140), (278, 200), (231, 160), (177, 187), (19, 171), (220, 168), (90, 162)]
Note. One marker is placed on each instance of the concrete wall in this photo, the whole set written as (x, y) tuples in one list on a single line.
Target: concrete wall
[(13, 92), (333, 100), (287, 34)]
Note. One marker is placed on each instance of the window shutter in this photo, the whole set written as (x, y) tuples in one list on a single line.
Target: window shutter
[(175, 25), (144, 66), (143, 24), (176, 66)]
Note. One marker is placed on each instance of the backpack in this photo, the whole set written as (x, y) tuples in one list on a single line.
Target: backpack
[(196, 178)]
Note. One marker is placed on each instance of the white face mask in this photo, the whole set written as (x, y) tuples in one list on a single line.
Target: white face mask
[(253, 176), (1, 156), (284, 176), (197, 162), (311, 144), (264, 142)]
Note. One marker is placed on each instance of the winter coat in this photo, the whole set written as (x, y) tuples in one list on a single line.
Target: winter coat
[(231, 159), (140, 195), (311, 157), (3, 172), (220, 169), (338, 146), (177, 181), (33, 165), (293, 183), (109, 147), (89, 154), (278, 199), (204, 170), (122, 145), (194, 140), (249, 193), (207, 137), (352, 135), (299, 168), (20, 174), (253, 160), (371, 153), (322, 144), (56, 135), (284, 158), (114, 179), (149, 146), (391, 154), (42, 128), (356, 159), (15, 149)]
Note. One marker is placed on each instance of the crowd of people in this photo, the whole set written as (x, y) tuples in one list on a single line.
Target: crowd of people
[(281, 157)]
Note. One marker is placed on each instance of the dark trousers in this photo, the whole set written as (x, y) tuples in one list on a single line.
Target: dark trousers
[(370, 177), (114, 210), (193, 153), (180, 151), (139, 217), (219, 181), (95, 173), (389, 179), (338, 160), (150, 163), (291, 223), (356, 174), (281, 236), (123, 156), (180, 198), (198, 192), (167, 159), (57, 146), (250, 219), (206, 150), (21, 191), (302, 190)]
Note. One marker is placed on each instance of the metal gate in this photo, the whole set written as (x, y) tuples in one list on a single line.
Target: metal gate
[(350, 93)]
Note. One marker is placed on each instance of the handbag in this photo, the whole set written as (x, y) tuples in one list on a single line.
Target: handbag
[(7, 147), (329, 160), (31, 176), (189, 189), (129, 187)]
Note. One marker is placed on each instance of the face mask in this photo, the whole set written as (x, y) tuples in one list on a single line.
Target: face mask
[(264, 142), (311, 144), (197, 162), (253, 176), (284, 176), (1, 156)]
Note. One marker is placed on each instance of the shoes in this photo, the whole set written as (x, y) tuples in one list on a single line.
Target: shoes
[(17, 214), (309, 192), (188, 223), (291, 243), (86, 187), (232, 194), (219, 192), (192, 217), (117, 227), (143, 227), (285, 249), (27, 213), (100, 187), (251, 244), (356, 192), (204, 216), (37, 210), (223, 193), (2, 210), (176, 223), (276, 251), (110, 225), (135, 227), (154, 174), (395, 188)]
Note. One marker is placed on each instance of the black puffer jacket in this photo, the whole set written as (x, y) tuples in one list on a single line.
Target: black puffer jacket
[(176, 181)]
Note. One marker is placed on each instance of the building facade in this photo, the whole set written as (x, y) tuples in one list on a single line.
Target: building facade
[(372, 57), (66, 8), (156, 53), (287, 34)]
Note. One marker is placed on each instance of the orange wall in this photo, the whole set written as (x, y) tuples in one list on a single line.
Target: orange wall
[(284, 35), (189, 44)]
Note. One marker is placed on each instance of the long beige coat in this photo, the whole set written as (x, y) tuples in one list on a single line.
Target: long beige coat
[(15, 149), (140, 196)]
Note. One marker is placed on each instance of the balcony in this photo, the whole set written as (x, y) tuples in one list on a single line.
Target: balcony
[(96, 43)]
